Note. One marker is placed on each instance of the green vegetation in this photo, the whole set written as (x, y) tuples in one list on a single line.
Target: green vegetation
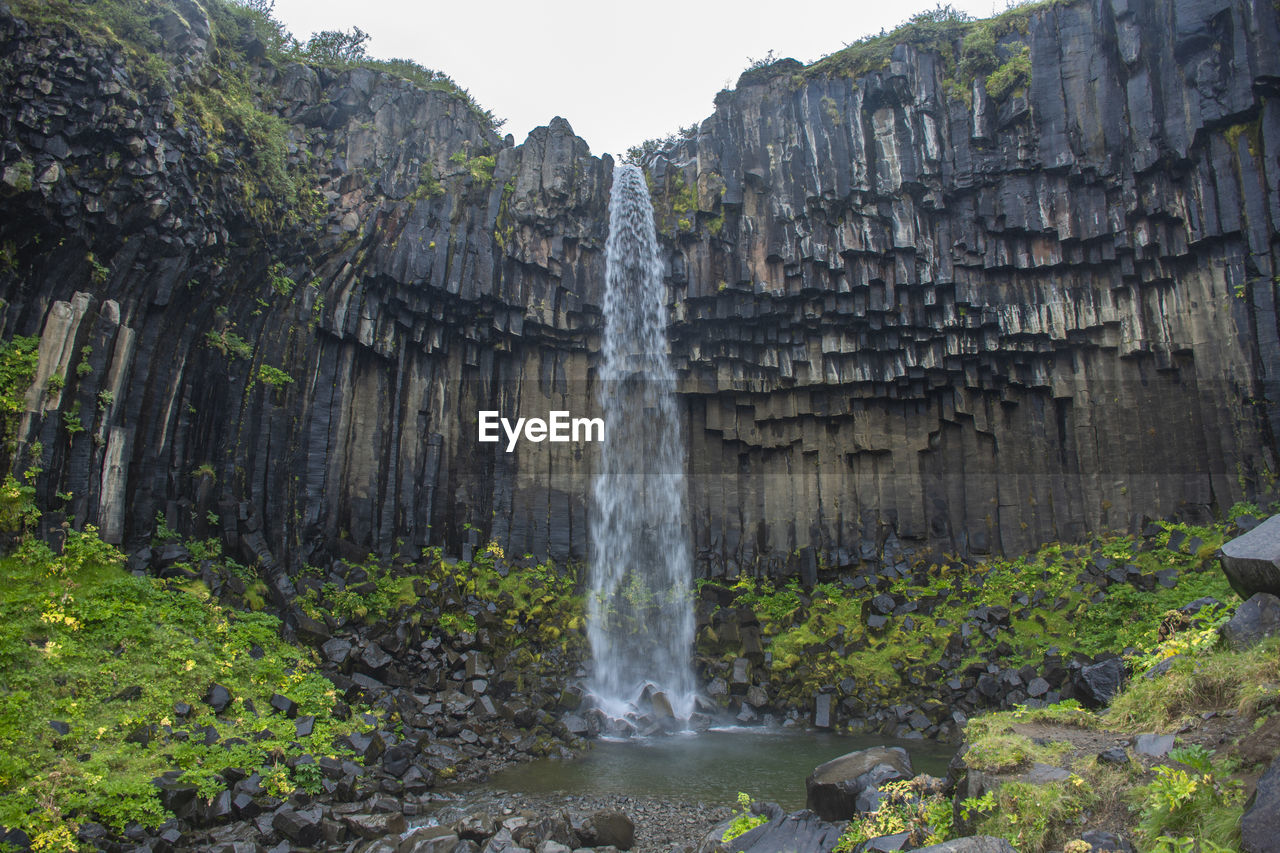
[(273, 376), (1204, 677), (18, 359), (428, 186), (798, 626), (991, 49), (904, 807), (538, 604), (1011, 76), (370, 601), (280, 282), (22, 179), (743, 820), (244, 139), (97, 271), (640, 155), (1033, 817), (229, 343), (340, 49), (1201, 803), (1002, 750), (1190, 803), (480, 167), (71, 419), (675, 204), (92, 660), (83, 367)]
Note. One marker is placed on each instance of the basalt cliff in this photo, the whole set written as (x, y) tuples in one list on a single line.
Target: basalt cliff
[(915, 301)]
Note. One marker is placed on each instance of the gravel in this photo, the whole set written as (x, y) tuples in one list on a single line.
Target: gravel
[(661, 825)]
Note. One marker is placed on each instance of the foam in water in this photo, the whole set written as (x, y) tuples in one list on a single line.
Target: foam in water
[(640, 613)]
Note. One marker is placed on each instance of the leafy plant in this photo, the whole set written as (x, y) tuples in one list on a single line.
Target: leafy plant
[(1031, 816), (229, 343), (71, 420), (1198, 800), (98, 272), (903, 807), (280, 282), (273, 376), (743, 820)]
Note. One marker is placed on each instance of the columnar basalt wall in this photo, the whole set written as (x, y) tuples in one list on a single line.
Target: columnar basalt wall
[(988, 324), (901, 316)]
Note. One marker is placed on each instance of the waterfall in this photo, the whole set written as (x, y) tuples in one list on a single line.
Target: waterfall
[(640, 611)]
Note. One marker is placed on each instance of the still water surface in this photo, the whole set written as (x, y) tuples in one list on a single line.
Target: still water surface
[(709, 767)]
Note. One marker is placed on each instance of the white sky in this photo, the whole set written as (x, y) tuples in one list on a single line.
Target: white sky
[(619, 72)]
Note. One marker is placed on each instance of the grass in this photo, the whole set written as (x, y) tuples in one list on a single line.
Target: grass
[(86, 644), (1033, 817), (1004, 751), (991, 48), (1218, 680)]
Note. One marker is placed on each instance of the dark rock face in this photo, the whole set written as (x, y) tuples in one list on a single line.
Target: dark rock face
[(1260, 826), (898, 318), (1252, 562), (841, 787), (1253, 621), (802, 830)]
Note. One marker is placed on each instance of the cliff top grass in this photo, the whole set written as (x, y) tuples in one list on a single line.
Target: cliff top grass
[(966, 44), (131, 25)]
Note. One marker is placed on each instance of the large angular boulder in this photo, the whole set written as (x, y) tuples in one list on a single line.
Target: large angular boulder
[(833, 789), (1260, 826), (1252, 562), (787, 833), (1096, 683), (1253, 621)]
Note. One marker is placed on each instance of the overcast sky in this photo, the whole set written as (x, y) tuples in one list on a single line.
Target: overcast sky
[(619, 72)]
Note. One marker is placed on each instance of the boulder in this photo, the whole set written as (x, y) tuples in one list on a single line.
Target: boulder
[(1260, 825), (1106, 842), (1254, 621), (1096, 683), (833, 788), (301, 826), (375, 825), (787, 833), (217, 697), (1153, 746), (428, 839), (608, 828), (1252, 562)]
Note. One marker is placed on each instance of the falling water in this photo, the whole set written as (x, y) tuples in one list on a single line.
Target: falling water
[(640, 620)]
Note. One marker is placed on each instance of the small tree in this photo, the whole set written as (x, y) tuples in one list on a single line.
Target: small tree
[(337, 47)]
